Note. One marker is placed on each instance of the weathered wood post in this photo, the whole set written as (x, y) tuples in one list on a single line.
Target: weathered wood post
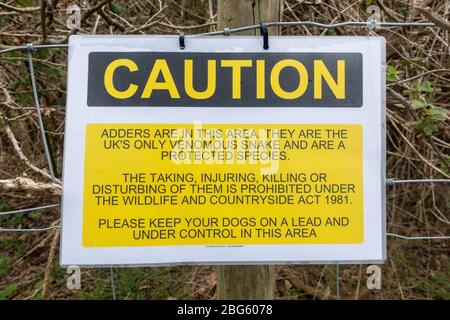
[(247, 282)]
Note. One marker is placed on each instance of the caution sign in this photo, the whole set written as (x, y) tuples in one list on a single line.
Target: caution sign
[(220, 79), (224, 152)]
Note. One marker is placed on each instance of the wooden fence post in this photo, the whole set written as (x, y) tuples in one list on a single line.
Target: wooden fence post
[(255, 281)]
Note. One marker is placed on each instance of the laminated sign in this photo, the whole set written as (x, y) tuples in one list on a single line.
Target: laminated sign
[(223, 152)]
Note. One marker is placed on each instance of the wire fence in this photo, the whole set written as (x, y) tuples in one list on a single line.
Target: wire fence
[(368, 25)]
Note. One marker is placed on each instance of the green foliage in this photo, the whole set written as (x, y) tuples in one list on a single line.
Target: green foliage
[(419, 90), (129, 281), (3, 206), (8, 291), (4, 264), (24, 3), (438, 287), (165, 283), (14, 219), (331, 32), (424, 126), (114, 7), (14, 85), (135, 284), (366, 3), (445, 169), (392, 74), (99, 290), (12, 245), (429, 115), (426, 86)]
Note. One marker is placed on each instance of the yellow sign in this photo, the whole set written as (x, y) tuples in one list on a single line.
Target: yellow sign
[(224, 153), (217, 184)]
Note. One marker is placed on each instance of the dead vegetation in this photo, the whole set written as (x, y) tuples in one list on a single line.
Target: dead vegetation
[(417, 147)]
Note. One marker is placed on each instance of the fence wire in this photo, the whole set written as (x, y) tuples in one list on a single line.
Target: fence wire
[(368, 25)]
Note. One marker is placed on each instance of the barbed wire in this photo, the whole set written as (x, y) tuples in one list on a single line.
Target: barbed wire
[(417, 237), (390, 181), (370, 25), (39, 113), (29, 229), (29, 209), (33, 47)]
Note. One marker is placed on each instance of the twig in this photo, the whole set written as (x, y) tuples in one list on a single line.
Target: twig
[(191, 12), (211, 14), (110, 21), (412, 111), (28, 185), (150, 21), (188, 27), (40, 244), (417, 152), (430, 15), (51, 256), (83, 19), (300, 285), (21, 10), (391, 13), (22, 157), (419, 76), (93, 9), (43, 23)]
